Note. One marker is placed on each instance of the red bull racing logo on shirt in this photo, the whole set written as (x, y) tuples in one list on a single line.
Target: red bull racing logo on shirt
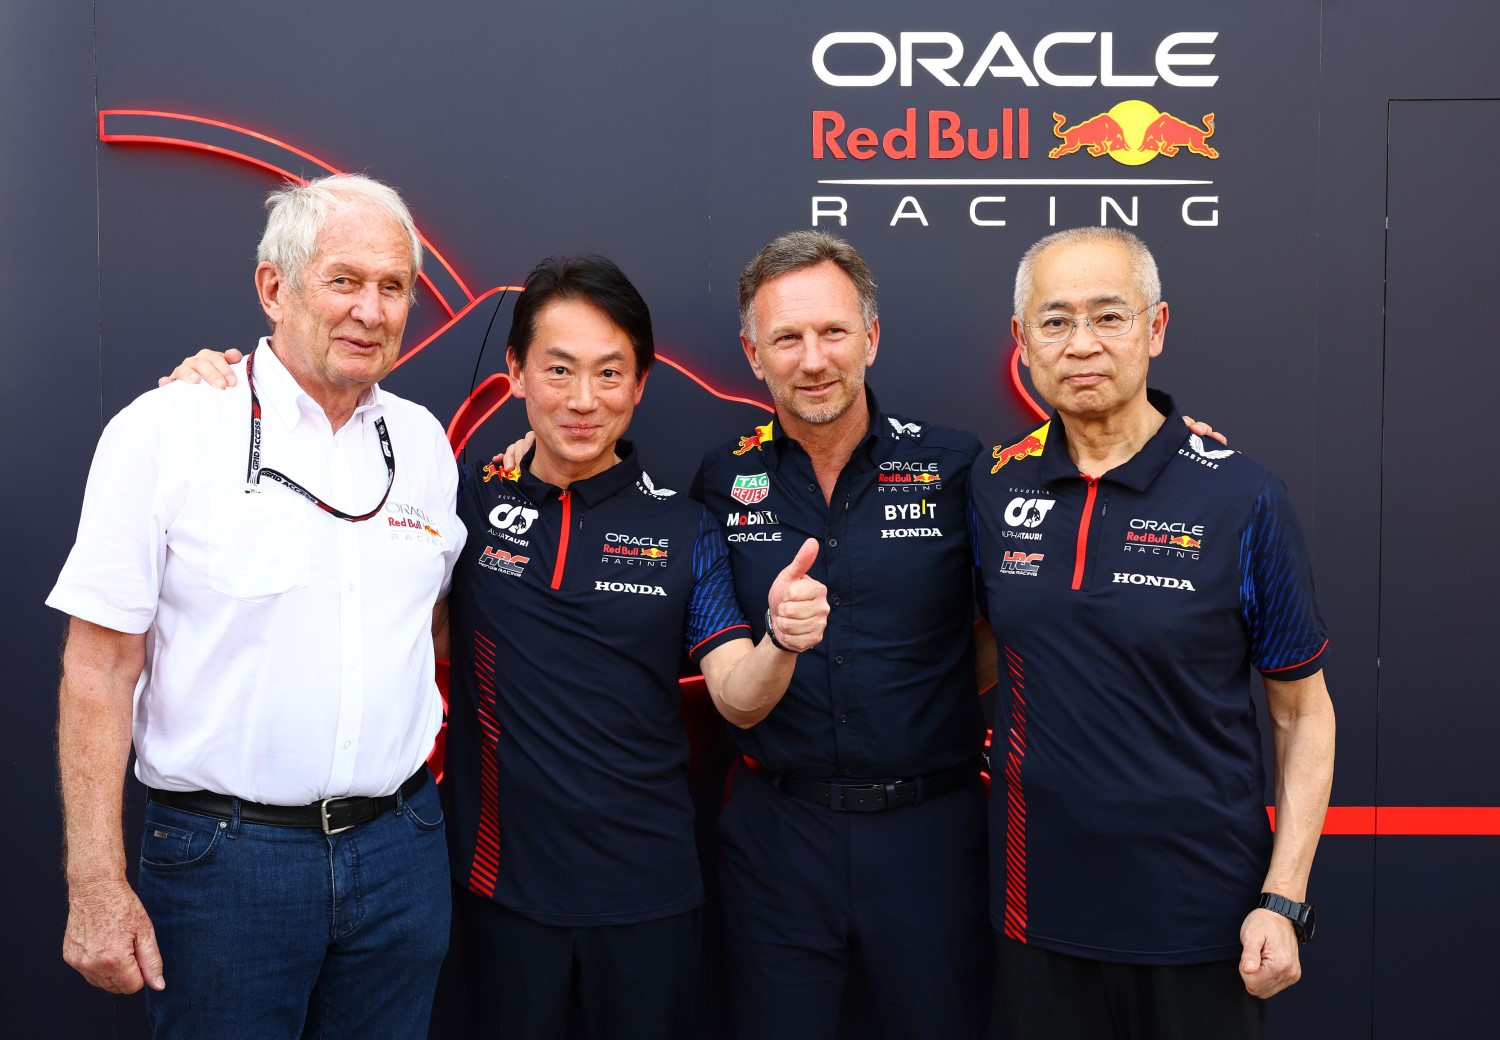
[(633, 549), (904, 476), (1164, 538)]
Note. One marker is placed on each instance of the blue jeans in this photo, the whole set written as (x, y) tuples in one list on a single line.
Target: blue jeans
[(283, 932)]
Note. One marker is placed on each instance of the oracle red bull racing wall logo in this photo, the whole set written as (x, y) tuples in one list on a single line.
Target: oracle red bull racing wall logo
[(971, 113)]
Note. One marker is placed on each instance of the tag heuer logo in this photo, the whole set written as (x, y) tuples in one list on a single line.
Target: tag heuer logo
[(750, 489)]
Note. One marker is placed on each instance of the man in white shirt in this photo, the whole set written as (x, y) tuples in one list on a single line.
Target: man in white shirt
[(251, 596)]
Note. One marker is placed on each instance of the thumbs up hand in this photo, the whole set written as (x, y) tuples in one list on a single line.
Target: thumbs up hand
[(798, 604)]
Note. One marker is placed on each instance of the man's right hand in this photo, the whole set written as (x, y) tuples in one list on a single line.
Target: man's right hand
[(207, 366), (110, 940), (510, 458)]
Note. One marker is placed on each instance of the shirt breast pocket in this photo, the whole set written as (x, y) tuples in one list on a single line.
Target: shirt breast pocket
[(258, 548)]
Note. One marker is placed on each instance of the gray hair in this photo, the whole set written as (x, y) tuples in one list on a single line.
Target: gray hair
[(299, 213), (1142, 263), (794, 251)]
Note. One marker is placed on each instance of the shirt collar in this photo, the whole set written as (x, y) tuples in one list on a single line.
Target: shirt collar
[(871, 442), (1140, 469), (592, 490), (281, 394)]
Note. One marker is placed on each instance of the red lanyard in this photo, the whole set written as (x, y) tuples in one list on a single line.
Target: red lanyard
[(253, 470)]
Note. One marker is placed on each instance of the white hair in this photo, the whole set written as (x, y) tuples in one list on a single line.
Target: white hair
[(300, 212), (1142, 263)]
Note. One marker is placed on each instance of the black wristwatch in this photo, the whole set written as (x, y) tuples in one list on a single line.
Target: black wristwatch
[(1304, 916)]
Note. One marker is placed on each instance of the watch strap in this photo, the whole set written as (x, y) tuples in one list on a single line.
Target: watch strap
[(1297, 913)]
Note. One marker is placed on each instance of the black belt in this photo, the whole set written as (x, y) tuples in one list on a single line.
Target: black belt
[(868, 795), (332, 815)]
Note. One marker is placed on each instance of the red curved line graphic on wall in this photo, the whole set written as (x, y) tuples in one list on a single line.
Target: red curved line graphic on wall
[(217, 137), (1020, 387), (142, 126)]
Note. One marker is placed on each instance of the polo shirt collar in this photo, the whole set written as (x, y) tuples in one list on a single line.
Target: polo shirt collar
[(592, 490), (1140, 469), (282, 396), (872, 442)]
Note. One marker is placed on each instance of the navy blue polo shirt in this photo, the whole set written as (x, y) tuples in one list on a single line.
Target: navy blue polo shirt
[(568, 762), (890, 690), (1129, 610)]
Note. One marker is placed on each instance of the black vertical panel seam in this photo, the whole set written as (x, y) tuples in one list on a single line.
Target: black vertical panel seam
[(1385, 289)]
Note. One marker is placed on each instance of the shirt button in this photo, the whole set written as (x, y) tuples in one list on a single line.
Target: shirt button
[(843, 718), (833, 543), (839, 659), (812, 487), (346, 744), (351, 586), (837, 601)]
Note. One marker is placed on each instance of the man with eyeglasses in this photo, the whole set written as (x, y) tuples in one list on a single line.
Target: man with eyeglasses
[(1133, 576)]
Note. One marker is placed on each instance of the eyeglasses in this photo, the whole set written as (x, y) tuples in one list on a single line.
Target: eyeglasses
[(1105, 323)]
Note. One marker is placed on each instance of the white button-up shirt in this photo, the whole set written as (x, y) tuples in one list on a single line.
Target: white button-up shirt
[(288, 653)]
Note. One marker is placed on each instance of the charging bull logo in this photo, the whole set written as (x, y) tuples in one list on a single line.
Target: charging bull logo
[(1099, 135), (761, 435), (1133, 133), (1025, 448)]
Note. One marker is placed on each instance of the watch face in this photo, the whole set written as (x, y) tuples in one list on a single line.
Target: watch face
[(1309, 922)]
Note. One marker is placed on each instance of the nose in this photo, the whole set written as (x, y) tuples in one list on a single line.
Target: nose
[(583, 399), (1083, 341), (367, 310), (814, 354)]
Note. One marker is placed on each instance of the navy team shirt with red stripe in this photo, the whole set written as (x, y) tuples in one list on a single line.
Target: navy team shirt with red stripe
[(1127, 820), (566, 756)]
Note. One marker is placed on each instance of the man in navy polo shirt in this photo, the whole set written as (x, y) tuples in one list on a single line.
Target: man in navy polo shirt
[(572, 826), (1133, 576), (854, 835)]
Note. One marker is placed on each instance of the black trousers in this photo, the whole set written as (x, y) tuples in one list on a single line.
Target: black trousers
[(629, 981), (812, 895), (1053, 996)]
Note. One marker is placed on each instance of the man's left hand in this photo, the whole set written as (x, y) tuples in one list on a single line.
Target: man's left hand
[(799, 603), (1270, 960), (1202, 429)]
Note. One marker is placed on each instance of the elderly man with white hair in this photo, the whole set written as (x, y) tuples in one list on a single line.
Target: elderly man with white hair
[(250, 601)]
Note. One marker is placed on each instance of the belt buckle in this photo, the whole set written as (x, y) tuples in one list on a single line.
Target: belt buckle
[(323, 811), (839, 800)]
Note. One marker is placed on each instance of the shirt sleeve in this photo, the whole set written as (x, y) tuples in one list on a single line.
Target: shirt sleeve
[(714, 616), (112, 576), (1287, 634), (981, 599), (448, 481)]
